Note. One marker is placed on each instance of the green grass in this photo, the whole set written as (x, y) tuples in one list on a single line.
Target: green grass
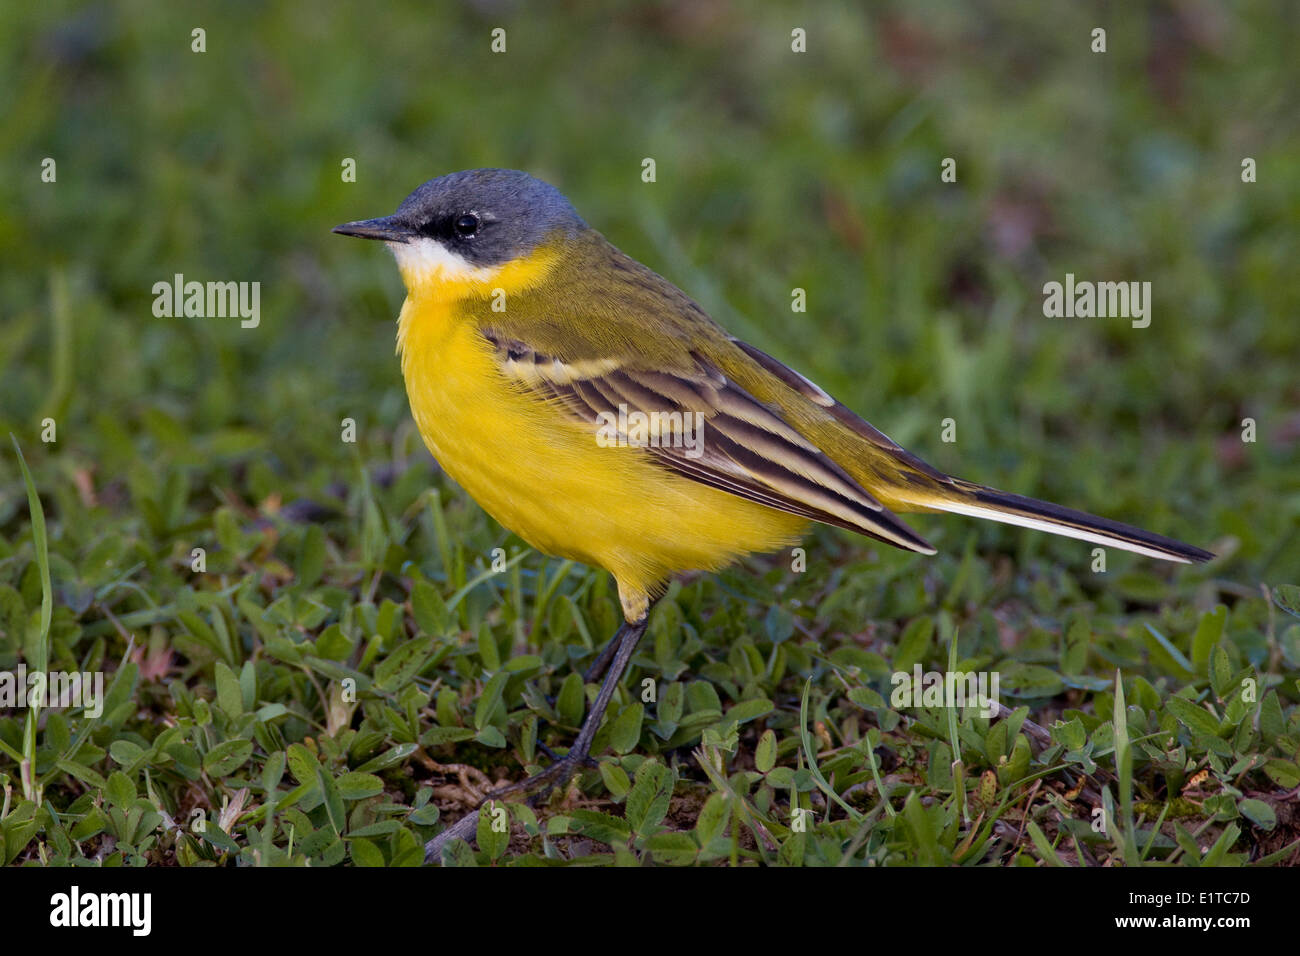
[(349, 672)]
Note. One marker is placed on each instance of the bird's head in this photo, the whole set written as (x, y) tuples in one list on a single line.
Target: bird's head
[(467, 228)]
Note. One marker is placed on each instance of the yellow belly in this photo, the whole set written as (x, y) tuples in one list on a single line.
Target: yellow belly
[(544, 476)]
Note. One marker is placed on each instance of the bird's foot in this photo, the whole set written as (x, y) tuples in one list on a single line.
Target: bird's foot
[(540, 785)]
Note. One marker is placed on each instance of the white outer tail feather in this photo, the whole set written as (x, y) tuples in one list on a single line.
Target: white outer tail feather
[(1041, 524)]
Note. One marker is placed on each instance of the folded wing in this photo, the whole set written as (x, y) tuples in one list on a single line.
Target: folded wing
[(707, 428)]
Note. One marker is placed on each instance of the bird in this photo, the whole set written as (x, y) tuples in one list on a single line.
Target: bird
[(594, 409)]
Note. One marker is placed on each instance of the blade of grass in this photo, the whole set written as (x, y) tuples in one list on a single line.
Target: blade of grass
[(806, 739), (28, 765), (1044, 846), (441, 535), (958, 768), (1155, 831), (1124, 769), (479, 579)]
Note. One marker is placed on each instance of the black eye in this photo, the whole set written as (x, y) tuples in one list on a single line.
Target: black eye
[(466, 225)]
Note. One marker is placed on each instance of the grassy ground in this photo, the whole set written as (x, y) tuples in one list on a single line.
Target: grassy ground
[(231, 731)]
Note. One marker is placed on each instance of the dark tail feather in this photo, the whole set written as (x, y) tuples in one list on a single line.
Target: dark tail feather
[(981, 502)]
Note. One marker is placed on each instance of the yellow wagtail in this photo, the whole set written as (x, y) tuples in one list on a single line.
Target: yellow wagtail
[(595, 410)]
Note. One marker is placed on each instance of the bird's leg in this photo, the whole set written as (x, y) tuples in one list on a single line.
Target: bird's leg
[(624, 645), (547, 750), (590, 675), (602, 660)]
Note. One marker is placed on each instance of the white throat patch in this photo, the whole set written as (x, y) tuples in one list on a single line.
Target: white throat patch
[(427, 260)]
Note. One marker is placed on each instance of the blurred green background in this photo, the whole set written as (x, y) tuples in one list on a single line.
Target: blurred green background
[(775, 170)]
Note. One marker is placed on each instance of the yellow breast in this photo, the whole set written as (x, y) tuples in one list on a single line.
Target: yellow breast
[(544, 476)]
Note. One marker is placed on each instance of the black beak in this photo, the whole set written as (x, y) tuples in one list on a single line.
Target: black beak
[(389, 229)]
